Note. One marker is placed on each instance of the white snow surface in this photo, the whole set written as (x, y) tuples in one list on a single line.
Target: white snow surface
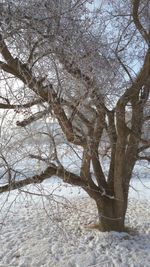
[(50, 231)]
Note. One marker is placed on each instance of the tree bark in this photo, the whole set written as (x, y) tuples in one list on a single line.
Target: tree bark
[(111, 215)]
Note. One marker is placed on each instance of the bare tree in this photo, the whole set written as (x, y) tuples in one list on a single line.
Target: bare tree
[(85, 69)]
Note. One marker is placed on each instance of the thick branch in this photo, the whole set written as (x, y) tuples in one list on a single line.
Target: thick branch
[(46, 160), (113, 140), (64, 122), (33, 118), (141, 80), (124, 67), (85, 169), (51, 170), (31, 180), (94, 144), (14, 106), (75, 111), (5, 51), (15, 67), (142, 148), (7, 68), (137, 22)]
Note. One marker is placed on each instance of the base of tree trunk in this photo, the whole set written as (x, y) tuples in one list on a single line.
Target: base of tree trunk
[(109, 224), (98, 226), (102, 228), (111, 215)]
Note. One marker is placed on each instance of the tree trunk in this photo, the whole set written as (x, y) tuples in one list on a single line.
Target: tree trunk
[(111, 215)]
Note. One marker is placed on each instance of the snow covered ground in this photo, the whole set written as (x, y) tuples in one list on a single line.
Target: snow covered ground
[(50, 231)]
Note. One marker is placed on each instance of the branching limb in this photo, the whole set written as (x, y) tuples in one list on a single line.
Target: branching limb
[(31, 180), (31, 55), (140, 28), (16, 68), (46, 160), (51, 170), (94, 144), (142, 148), (7, 68), (5, 51), (14, 106), (111, 129), (85, 168), (33, 118), (5, 99), (64, 122), (75, 111), (124, 67)]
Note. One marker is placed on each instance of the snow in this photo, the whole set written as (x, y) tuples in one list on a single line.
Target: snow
[(49, 231)]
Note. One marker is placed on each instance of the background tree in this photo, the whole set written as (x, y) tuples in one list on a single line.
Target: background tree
[(83, 71)]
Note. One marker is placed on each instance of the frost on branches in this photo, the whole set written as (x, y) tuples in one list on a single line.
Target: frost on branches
[(75, 79)]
